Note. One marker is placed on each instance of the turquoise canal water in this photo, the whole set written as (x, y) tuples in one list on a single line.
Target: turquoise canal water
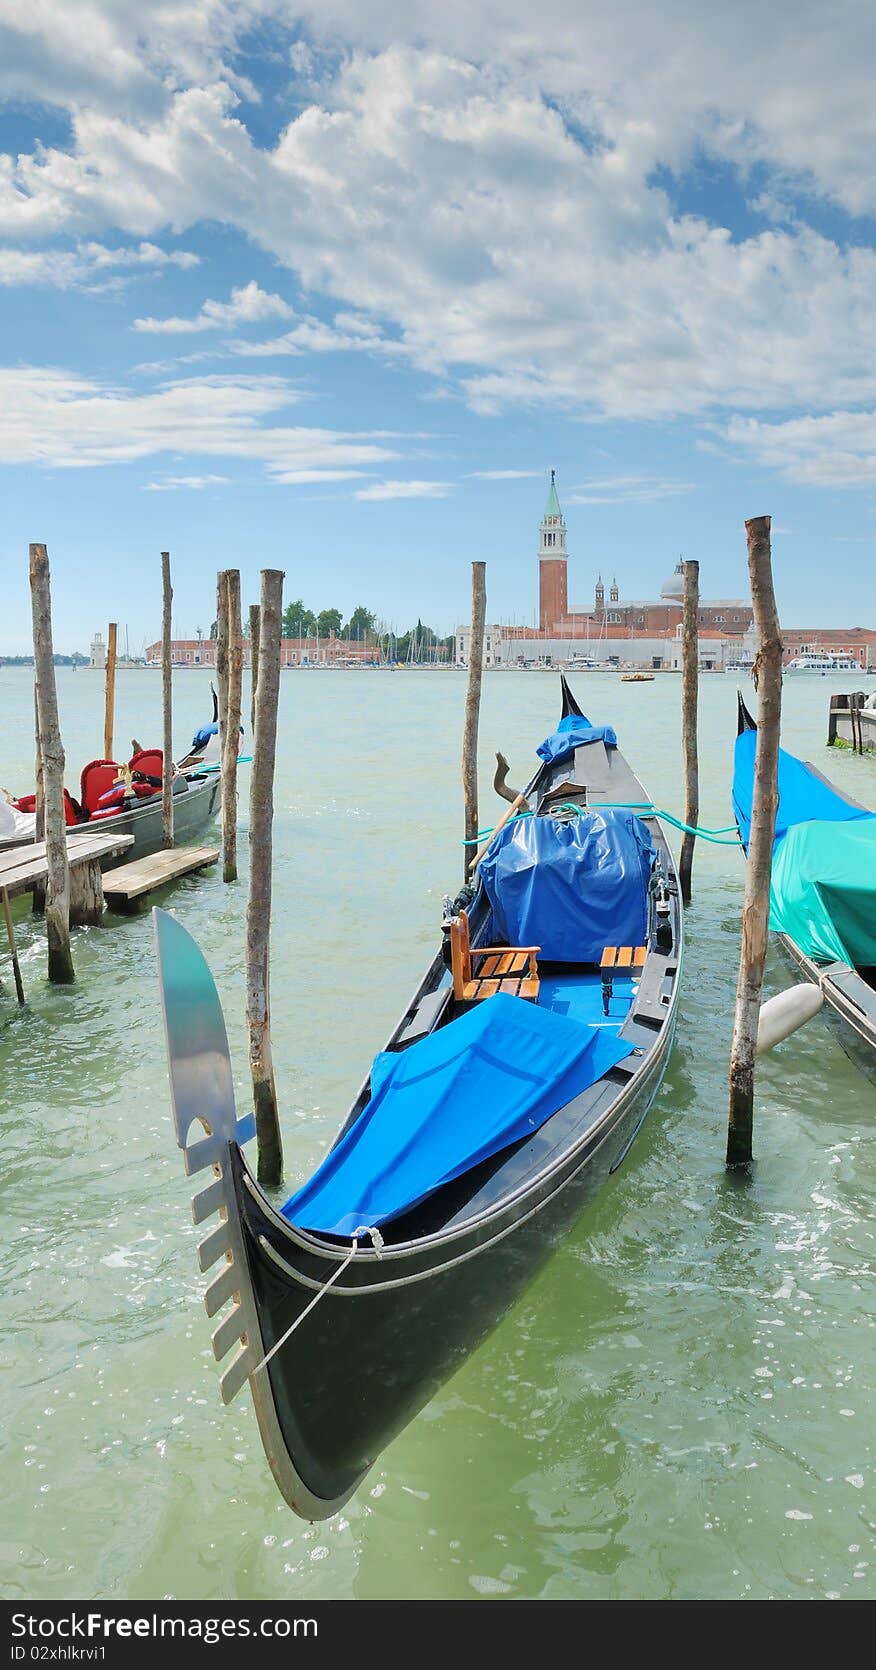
[(679, 1406)]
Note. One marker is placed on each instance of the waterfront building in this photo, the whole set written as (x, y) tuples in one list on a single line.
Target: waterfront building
[(615, 631), (294, 652)]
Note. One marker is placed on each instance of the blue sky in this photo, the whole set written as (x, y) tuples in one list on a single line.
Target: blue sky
[(332, 287)]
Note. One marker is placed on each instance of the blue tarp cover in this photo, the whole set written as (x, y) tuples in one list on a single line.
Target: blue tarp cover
[(467, 1091), (574, 732), (802, 795), (570, 888)]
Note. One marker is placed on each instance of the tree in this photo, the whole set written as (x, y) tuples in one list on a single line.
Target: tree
[(361, 623), (214, 629), (328, 620), (298, 621)]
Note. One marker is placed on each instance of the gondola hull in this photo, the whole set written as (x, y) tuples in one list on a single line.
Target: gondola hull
[(385, 1338), (849, 1004), (343, 1339), (193, 809), (849, 993)]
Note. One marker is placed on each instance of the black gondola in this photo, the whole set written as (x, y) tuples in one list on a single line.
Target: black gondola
[(823, 887), (364, 1321)]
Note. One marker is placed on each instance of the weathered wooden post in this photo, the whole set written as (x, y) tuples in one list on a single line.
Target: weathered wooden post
[(109, 708), (254, 629), (40, 796), (472, 709), (52, 755), (765, 799), (231, 738), (167, 704), (258, 910), (222, 663), (690, 653)]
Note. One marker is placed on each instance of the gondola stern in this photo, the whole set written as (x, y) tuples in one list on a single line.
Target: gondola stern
[(744, 720), (570, 706)]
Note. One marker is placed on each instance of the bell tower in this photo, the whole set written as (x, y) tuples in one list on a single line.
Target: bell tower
[(552, 557)]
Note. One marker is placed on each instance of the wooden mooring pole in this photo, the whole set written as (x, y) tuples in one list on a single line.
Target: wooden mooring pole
[(765, 799), (254, 631), (222, 662), (472, 710), (167, 703), (40, 795), (258, 910), (690, 655), (231, 737), (110, 699), (52, 756)]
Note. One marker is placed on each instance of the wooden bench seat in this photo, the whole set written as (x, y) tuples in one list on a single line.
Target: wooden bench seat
[(503, 968), (619, 959)]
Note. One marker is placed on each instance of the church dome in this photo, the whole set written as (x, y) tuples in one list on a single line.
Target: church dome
[(674, 586)]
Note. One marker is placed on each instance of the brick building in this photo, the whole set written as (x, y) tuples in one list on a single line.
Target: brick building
[(623, 632), (647, 619), (294, 652)]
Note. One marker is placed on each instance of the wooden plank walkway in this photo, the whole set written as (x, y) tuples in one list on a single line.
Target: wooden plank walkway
[(124, 886), (24, 868)]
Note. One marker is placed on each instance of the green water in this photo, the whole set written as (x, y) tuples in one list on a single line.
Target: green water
[(679, 1406)]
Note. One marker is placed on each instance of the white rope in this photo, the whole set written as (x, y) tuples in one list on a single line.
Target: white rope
[(376, 1242)]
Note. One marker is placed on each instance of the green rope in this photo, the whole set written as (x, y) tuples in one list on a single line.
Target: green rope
[(716, 836), (648, 807)]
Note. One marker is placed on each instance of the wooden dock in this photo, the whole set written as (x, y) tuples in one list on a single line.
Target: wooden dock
[(851, 722), (125, 887), (25, 869)]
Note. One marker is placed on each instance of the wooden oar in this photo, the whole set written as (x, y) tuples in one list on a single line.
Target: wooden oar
[(515, 806)]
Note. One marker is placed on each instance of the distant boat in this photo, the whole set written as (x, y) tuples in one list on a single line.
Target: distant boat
[(823, 887), (636, 678), (508, 1093), (814, 663)]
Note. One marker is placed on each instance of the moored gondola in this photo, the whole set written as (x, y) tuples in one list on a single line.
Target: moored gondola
[(512, 1087), (125, 799), (823, 887)]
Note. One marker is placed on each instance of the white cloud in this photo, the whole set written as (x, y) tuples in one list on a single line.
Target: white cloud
[(348, 334), (480, 183), (59, 418), (405, 490), (194, 482), (249, 305), (502, 475), (837, 450), (627, 489), (87, 265)]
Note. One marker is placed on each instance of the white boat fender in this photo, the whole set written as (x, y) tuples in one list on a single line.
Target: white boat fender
[(783, 1014)]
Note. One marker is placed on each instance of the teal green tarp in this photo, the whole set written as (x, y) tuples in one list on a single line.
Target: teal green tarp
[(823, 892)]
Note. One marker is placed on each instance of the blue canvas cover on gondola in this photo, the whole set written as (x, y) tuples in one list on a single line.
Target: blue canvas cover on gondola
[(823, 881), (802, 795), (465, 1092), (574, 731), (570, 887)]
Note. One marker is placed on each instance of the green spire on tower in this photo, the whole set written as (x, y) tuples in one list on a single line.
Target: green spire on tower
[(552, 508)]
